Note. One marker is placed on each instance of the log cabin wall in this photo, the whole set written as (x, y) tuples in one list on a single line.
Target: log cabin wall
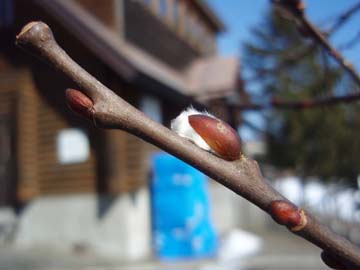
[(37, 125), (27, 137), (8, 136), (126, 155), (55, 177), (9, 81), (41, 113), (118, 162), (19, 101)]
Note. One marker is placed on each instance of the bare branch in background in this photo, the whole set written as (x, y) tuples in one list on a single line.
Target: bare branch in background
[(343, 18), (277, 103), (243, 176), (254, 127), (302, 52), (351, 43), (295, 9), (290, 58), (326, 70)]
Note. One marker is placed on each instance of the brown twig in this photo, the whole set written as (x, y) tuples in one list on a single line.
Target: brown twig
[(296, 9), (343, 18), (351, 43), (242, 176), (277, 103)]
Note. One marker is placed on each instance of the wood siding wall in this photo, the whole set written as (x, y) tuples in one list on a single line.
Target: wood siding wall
[(37, 125), (53, 116), (55, 177), (126, 161), (27, 135), (126, 154), (118, 162), (8, 175)]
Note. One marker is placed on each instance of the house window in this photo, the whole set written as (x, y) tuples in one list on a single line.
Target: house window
[(72, 146), (151, 106), (6, 12)]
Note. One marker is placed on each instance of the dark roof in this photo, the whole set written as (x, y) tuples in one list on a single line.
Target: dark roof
[(135, 65)]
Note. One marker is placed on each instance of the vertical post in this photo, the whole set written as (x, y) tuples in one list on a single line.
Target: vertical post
[(182, 17), (27, 160)]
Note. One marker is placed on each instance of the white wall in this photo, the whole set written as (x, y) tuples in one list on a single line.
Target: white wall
[(64, 222)]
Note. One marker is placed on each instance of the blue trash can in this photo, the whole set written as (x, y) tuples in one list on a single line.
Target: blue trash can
[(182, 228)]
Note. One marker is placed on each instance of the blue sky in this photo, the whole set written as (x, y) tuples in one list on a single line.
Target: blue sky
[(240, 16)]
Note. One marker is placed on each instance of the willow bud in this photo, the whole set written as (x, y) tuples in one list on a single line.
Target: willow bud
[(209, 133), (286, 213), (79, 103)]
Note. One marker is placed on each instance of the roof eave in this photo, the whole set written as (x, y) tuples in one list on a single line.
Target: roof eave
[(211, 15), (125, 69)]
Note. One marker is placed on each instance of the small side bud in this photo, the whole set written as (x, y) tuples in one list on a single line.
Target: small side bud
[(79, 103), (332, 262), (285, 213), (220, 136)]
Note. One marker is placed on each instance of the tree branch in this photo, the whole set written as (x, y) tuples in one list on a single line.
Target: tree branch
[(343, 18), (277, 103), (243, 176), (351, 43), (296, 9)]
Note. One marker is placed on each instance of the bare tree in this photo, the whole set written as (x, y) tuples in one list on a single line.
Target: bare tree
[(294, 9), (277, 103)]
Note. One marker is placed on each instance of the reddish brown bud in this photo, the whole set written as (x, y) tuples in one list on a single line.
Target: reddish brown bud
[(285, 213), (79, 102), (332, 262), (220, 136)]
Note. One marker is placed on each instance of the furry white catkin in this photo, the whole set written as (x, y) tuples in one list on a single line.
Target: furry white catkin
[(182, 127)]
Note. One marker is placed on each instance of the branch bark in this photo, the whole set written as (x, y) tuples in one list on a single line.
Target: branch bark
[(243, 176)]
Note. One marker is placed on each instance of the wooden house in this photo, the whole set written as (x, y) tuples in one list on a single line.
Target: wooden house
[(159, 55)]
